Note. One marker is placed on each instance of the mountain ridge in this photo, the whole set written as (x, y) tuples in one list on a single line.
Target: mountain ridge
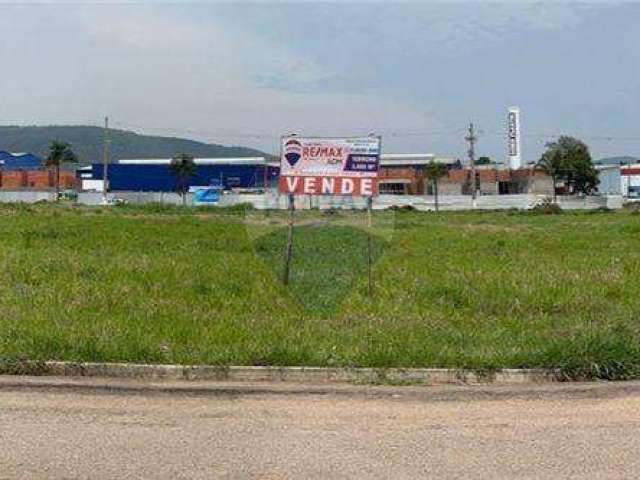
[(88, 143)]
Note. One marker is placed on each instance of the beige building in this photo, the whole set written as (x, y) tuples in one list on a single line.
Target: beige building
[(404, 174), (492, 181)]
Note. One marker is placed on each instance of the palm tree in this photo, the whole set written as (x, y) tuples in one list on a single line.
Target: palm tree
[(183, 167), (434, 171), (59, 153)]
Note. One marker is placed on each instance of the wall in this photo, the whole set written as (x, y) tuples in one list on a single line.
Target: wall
[(13, 180), (454, 183), (272, 200), (26, 196), (157, 178), (532, 181), (630, 182), (610, 181), (35, 179), (522, 181), (40, 179), (414, 175), (166, 198)]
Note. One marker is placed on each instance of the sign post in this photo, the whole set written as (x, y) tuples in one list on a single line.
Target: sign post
[(369, 247), (346, 166), (289, 250)]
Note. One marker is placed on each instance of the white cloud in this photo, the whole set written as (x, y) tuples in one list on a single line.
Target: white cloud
[(151, 67), (246, 73)]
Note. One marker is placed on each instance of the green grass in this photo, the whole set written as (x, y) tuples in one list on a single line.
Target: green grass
[(321, 286), (463, 290)]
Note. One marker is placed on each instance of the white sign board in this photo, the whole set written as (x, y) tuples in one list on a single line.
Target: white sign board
[(513, 138), (330, 166)]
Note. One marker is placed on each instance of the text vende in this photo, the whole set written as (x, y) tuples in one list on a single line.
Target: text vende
[(318, 185)]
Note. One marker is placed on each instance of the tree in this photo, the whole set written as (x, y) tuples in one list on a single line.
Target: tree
[(59, 153), (484, 161), (552, 164), (568, 160), (434, 171), (183, 167)]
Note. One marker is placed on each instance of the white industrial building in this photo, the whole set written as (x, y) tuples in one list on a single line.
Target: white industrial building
[(630, 181)]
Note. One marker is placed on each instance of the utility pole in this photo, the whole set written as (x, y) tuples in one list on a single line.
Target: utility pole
[(105, 160), (472, 138)]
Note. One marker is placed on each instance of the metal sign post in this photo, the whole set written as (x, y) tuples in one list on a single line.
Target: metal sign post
[(289, 249), (369, 247)]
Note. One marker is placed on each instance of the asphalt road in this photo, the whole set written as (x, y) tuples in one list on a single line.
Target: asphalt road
[(58, 428)]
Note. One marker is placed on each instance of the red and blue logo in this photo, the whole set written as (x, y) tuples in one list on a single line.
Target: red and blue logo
[(292, 151)]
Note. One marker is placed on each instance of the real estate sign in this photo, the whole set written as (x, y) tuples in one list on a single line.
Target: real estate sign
[(330, 166)]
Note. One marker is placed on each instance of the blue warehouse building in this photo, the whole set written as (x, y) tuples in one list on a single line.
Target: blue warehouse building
[(147, 175), (19, 161)]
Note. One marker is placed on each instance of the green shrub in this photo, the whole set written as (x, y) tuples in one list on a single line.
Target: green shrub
[(547, 207)]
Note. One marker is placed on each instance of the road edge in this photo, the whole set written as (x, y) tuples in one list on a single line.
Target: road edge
[(293, 374)]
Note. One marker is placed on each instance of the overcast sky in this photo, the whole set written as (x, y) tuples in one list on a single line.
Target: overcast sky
[(244, 73)]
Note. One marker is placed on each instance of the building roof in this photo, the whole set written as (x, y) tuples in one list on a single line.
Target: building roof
[(17, 161), (386, 160), (401, 159), (613, 167), (631, 170), (197, 161)]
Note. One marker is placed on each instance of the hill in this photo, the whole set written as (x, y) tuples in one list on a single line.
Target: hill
[(87, 142)]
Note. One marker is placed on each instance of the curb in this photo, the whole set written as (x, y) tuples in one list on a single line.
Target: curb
[(398, 376)]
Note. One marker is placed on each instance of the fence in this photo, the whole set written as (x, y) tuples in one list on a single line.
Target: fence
[(272, 200), (26, 196), (167, 198)]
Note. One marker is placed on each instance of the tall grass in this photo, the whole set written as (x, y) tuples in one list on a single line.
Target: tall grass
[(475, 290)]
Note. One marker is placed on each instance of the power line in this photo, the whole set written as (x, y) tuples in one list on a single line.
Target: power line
[(276, 136)]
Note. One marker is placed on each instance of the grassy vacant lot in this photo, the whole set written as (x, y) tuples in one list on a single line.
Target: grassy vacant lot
[(476, 290)]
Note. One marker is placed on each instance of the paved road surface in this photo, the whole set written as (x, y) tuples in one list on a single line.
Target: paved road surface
[(132, 430)]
